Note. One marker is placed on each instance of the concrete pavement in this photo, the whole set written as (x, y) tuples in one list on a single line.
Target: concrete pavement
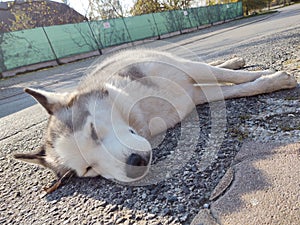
[(264, 188)]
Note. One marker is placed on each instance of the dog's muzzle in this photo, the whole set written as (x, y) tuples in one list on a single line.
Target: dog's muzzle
[(137, 165)]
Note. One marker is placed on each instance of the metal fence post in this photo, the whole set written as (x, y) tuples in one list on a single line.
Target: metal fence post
[(219, 14), (99, 44), (156, 26), (188, 15), (196, 12), (175, 21), (208, 14), (127, 30), (51, 46)]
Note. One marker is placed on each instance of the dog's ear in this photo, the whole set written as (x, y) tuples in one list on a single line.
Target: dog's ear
[(38, 157), (41, 158), (49, 100)]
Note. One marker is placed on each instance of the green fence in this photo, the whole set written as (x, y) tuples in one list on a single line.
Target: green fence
[(44, 44)]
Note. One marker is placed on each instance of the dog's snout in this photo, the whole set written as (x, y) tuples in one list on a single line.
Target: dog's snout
[(137, 160), (137, 165)]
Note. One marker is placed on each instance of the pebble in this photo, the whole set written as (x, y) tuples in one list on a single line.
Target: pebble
[(120, 220), (184, 217), (206, 206), (166, 211), (144, 195), (150, 216), (111, 208), (172, 198)]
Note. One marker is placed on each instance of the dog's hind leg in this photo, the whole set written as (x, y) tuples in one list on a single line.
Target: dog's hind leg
[(262, 85)]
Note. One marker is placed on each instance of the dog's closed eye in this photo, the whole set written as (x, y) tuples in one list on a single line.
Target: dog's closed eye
[(87, 170), (94, 133), (132, 131)]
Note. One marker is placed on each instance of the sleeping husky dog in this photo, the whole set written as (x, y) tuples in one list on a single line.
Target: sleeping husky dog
[(104, 126)]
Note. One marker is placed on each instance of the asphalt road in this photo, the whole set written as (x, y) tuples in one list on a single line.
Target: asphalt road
[(21, 119)]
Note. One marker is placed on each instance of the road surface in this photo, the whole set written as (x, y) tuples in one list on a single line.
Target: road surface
[(22, 122)]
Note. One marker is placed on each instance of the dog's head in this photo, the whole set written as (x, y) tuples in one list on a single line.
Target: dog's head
[(85, 134)]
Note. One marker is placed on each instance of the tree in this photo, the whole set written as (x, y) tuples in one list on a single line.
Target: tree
[(152, 6), (250, 5), (211, 2), (214, 2), (269, 3), (22, 21), (105, 9), (145, 7), (176, 4)]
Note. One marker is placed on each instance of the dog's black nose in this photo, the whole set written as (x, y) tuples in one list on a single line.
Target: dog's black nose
[(136, 165), (137, 160)]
